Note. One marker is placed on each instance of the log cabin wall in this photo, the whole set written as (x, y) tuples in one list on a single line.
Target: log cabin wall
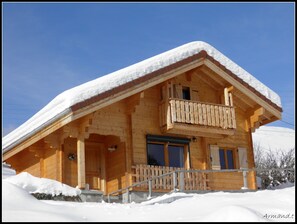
[(26, 161), (145, 121), (241, 138), (130, 120), (70, 166), (112, 123)]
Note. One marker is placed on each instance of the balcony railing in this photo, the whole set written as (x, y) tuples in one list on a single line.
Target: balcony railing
[(199, 114), (191, 180)]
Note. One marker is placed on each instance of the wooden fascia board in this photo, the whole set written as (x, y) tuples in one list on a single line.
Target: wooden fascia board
[(135, 89), (38, 136), (242, 88)]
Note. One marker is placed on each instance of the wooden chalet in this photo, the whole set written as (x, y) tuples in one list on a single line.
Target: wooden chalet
[(188, 108)]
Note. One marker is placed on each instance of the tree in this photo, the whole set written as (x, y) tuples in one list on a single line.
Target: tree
[(268, 159)]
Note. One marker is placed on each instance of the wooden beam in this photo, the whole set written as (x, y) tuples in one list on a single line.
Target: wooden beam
[(190, 130), (212, 75), (81, 166), (207, 80), (242, 88), (226, 97), (38, 136)]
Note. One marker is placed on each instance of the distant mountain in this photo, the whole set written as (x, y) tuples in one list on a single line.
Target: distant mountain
[(274, 138)]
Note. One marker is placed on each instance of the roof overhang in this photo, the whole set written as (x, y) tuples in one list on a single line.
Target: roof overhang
[(114, 95)]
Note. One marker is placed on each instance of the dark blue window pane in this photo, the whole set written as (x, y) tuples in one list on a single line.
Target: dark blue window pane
[(222, 159), (230, 159), (176, 156), (186, 93), (155, 154)]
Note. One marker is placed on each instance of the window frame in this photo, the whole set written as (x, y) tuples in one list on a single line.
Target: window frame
[(166, 152), (225, 149)]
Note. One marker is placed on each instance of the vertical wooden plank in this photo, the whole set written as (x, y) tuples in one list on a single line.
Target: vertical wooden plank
[(173, 111), (187, 112), (221, 116), (81, 167), (196, 118), (200, 113), (167, 178), (192, 118), (182, 111), (168, 113), (204, 115), (178, 111), (208, 115), (225, 118), (141, 173), (233, 117), (229, 117), (226, 96), (212, 113), (217, 120)]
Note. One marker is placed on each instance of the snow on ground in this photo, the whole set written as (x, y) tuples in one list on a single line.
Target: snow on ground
[(42, 185), (267, 205), (274, 138), (7, 171)]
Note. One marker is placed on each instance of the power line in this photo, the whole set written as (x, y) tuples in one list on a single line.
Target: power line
[(287, 123)]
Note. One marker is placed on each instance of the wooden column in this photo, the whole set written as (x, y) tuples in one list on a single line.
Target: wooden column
[(81, 167), (186, 158), (59, 164), (226, 96)]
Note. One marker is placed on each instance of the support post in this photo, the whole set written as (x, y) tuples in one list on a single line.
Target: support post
[(181, 181), (150, 189), (81, 174), (174, 180), (245, 185)]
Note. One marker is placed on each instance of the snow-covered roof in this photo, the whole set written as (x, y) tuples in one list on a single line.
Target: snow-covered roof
[(62, 104)]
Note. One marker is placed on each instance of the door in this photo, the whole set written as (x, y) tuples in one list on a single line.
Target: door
[(94, 165)]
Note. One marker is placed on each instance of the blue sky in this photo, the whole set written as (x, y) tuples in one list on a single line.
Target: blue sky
[(51, 47)]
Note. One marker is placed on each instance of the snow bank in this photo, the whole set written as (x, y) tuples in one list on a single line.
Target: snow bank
[(274, 138), (267, 205), (7, 171), (60, 105), (19, 206), (42, 185)]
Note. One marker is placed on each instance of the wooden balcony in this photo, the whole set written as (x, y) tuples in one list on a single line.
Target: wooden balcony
[(178, 116)]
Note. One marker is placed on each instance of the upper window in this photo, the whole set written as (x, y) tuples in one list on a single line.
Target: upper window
[(186, 93)]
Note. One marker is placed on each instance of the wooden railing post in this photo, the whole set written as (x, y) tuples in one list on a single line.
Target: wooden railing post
[(245, 185), (174, 180), (150, 189), (181, 181)]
